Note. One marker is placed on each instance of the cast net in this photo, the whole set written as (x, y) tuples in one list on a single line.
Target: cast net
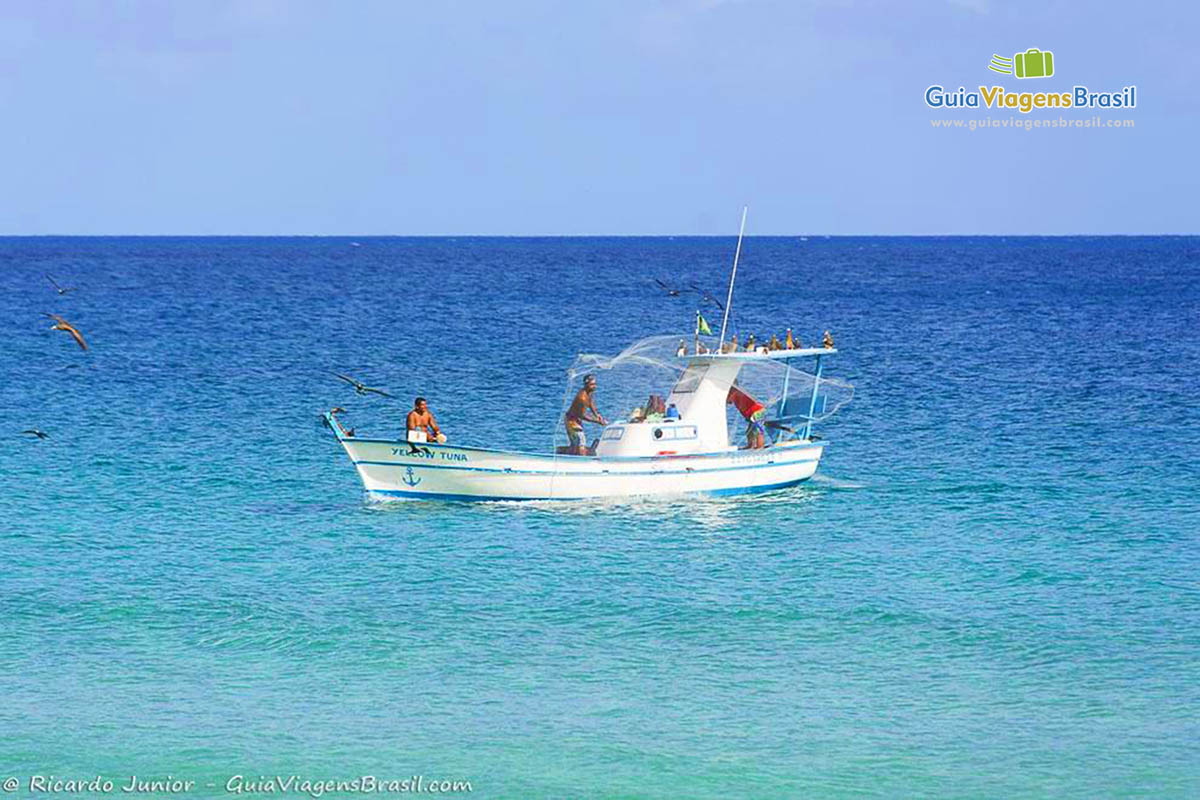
[(629, 382)]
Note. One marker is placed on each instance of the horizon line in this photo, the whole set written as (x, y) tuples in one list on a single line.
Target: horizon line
[(581, 235)]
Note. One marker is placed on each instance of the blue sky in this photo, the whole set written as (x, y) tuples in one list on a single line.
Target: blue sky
[(522, 117)]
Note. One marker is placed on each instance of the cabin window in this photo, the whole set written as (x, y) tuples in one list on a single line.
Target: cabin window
[(612, 434), (678, 432), (690, 379)]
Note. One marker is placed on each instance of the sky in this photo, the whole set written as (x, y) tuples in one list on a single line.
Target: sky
[(524, 117)]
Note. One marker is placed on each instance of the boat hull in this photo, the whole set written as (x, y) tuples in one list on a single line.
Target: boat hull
[(392, 470)]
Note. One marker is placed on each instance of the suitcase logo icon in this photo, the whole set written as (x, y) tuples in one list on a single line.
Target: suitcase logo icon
[(1033, 63)]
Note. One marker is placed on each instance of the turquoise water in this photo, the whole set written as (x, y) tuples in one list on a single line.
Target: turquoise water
[(989, 591)]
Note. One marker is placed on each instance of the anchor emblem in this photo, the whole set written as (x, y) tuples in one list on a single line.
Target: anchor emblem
[(409, 478)]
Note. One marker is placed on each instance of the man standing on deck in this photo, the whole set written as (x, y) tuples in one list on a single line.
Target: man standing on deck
[(422, 423), (753, 411), (577, 414)]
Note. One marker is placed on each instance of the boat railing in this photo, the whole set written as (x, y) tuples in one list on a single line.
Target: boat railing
[(793, 417)]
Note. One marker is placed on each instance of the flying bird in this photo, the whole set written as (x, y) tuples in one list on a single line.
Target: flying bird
[(707, 296), (670, 290), (57, 288), (360, 387), (38, 433), (61, 324)]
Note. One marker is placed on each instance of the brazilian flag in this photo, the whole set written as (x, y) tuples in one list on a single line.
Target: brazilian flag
[(702, 325)]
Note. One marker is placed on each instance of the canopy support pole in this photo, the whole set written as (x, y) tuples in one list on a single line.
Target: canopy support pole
[(787, 373), (812, 403)]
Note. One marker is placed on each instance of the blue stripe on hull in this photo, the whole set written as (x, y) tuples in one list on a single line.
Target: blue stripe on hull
[(585, 474), (770, 487), (404, 494)]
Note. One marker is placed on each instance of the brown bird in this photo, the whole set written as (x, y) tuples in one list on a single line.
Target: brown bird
[(789, 343), (40, 434), (827, 340), (61, 324), (774, 343)]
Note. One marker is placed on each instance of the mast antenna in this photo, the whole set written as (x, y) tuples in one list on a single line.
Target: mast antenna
[(733, 277)]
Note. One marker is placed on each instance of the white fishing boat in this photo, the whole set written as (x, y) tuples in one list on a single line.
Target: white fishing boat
[(687, 450)]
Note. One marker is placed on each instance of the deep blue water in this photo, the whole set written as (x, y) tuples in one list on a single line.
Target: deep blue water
[(990, 590)]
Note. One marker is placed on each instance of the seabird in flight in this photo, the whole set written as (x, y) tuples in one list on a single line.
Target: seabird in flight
[(360, 387), (61, 324)]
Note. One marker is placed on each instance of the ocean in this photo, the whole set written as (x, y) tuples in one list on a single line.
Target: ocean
[(989, 590)]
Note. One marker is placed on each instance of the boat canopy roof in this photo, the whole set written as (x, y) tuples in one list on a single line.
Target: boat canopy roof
[(760, 355)]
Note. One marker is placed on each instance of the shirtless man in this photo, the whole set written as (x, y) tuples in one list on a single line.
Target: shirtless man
[(421, 419), (577, 414)]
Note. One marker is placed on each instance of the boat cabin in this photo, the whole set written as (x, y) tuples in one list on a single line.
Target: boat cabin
[(699, 395)]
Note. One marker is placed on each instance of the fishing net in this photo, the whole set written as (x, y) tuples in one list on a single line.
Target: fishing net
[(629, 382)]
